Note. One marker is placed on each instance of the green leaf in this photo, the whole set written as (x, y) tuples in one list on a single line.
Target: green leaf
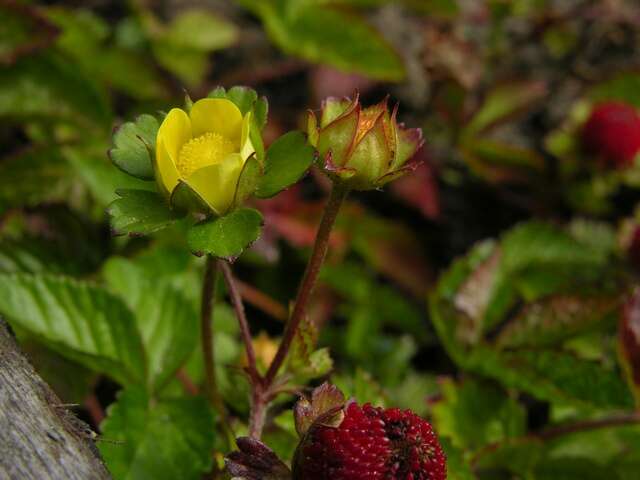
[(46, 86), (140, 212), (624, 86), (81, 321), (34, 176), (85, 37), (287, 159), (162, 440), (183, 46), (568, 468), (166, 319), (100, 176), (457, 466), (474, 414), (228, 236), (324, 34), (200, 29), (134, 145), (304, 361), (557, 318), (555, 376), (504, 101)]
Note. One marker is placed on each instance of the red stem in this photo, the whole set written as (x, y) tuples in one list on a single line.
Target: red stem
[(236, 300), (336, 197)]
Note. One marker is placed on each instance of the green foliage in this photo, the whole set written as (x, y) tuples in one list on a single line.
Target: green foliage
[(228, 236), (168, 439), (287, 160), (140, 212), (134, 146), (78, 319), (67, 95), (325, 34), (183, 45), (166, 320), (475, 414)]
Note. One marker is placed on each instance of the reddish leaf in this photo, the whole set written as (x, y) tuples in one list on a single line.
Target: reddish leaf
[(256, 461)]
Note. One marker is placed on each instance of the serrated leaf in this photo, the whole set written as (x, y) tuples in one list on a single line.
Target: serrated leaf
[(287, 159), (324, 405), (304, 361), (474, 414), (555, 376), (556, 318), (134, 144), (629, 341), (228, 236), (161, 440), (79, 320), (248, 180), (324, 34), (140, 212), (167, 321)]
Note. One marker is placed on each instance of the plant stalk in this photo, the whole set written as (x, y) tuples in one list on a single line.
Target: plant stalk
[(236, 300), (209, 287), (320, 247)]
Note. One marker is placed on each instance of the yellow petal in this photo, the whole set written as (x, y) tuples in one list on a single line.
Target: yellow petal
[(216, 184), (167, 174), (174, 132), (246, 147), (217, 115)]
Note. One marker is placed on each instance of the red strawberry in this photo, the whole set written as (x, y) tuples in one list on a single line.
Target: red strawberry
[(371, 444), (613, 133)]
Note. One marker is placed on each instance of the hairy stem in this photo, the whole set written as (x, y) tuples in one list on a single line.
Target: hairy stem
[(209, 286), (336, 197), (238, 306)]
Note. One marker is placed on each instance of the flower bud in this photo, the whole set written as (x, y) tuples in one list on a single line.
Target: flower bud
[(206, 150), (363, 148)]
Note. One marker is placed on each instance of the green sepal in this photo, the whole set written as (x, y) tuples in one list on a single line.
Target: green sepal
[(248, 180), (134, 146), (228, 236), (287, 160), (186, 199)]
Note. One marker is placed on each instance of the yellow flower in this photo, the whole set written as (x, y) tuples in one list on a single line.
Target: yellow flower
[(205, 149)]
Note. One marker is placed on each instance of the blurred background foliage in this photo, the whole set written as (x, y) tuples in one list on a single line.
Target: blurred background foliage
[(484, 291)]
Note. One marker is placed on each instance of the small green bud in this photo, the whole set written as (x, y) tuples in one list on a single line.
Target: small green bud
[(363, 148)]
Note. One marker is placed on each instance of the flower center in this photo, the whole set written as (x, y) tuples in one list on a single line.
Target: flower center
[(203, 151)]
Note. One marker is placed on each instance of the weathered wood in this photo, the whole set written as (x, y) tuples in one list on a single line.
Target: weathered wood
[(39, 438)]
